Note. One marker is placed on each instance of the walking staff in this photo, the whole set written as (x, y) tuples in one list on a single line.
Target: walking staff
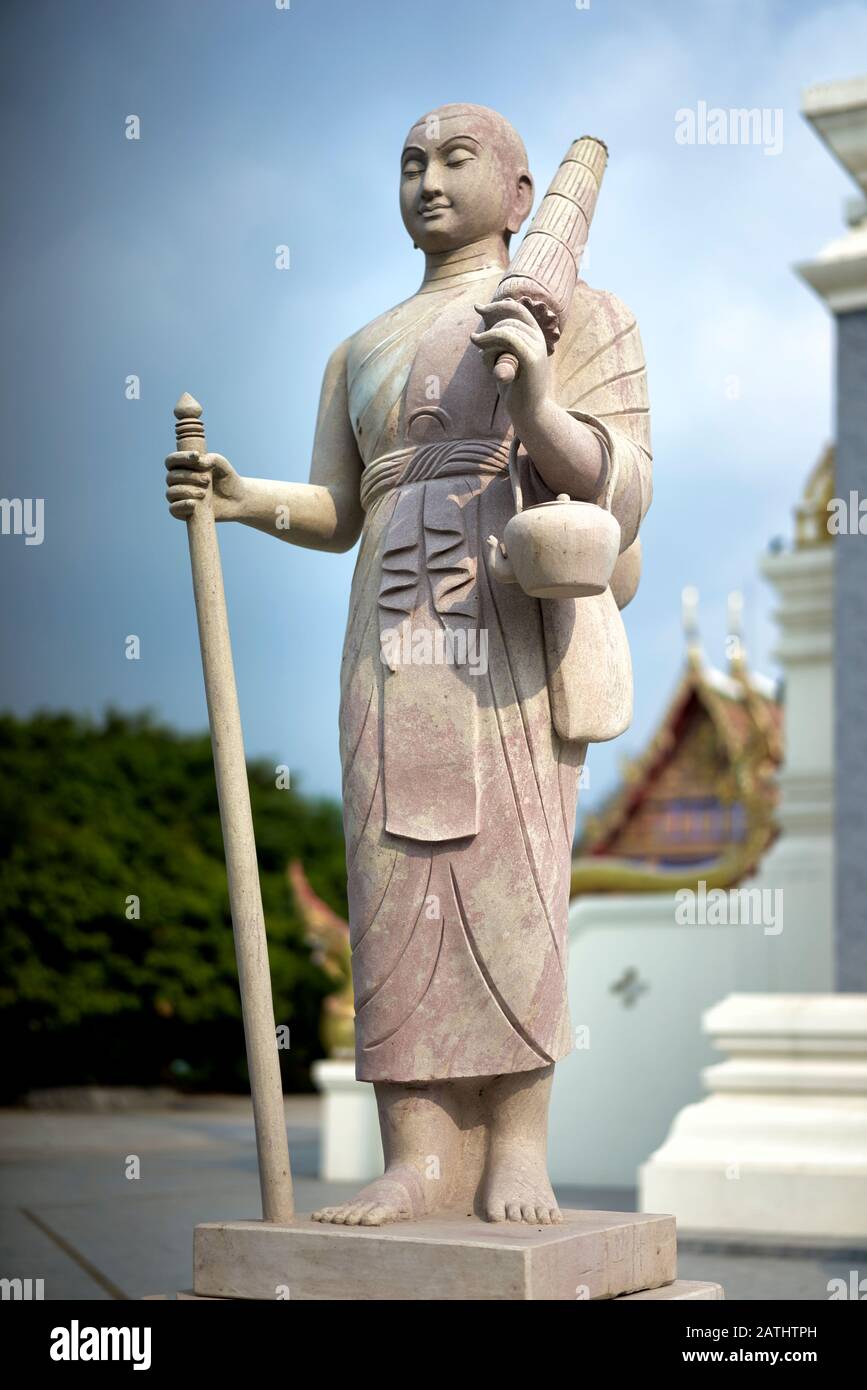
[(233, 791)]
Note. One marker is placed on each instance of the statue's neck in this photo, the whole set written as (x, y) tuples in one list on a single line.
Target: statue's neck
[(445, 268)]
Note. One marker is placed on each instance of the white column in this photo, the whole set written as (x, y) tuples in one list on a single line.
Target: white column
[(351, 1148), (838, 113), (801, 861), (780, 1145)]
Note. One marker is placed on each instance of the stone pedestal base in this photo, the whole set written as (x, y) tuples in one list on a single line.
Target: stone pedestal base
[(679, 1291), (780, 1147), (592, 1255)]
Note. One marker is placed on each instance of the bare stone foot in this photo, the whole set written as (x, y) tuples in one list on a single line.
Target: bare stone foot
[(517, 1188), (396, 1196)]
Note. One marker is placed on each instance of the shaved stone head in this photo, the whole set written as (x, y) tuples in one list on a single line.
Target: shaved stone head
[(491, 126), (464, 177)]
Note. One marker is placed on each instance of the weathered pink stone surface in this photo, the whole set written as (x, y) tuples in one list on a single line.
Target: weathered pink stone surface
[(466, 704), (460, 787)]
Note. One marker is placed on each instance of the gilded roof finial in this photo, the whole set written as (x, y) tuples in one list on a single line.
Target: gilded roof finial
[(736, 652), (811, 513), (689, 619)]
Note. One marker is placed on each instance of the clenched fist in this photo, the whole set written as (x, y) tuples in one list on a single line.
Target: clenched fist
[(189, 478)]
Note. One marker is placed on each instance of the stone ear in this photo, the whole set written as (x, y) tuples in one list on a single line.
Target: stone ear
[(521, 203)]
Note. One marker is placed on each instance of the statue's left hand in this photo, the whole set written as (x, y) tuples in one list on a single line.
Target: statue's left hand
[(510, 327)]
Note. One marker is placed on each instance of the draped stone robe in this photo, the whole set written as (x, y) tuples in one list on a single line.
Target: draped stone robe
[(467, 706)]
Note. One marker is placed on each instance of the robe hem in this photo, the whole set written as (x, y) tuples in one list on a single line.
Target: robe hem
[(404, 1078)]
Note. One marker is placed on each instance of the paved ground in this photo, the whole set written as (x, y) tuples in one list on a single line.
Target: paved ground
[(71, 1216)]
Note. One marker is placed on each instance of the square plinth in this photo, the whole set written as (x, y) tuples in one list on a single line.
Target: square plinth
[(591, 1255), (678, 1291)]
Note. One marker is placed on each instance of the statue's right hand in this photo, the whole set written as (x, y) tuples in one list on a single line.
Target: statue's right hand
[(190, 476)]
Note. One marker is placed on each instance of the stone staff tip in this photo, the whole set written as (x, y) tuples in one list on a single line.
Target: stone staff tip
[(187, 408)]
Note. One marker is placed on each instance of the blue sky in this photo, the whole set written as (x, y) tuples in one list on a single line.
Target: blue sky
[(262, 126)]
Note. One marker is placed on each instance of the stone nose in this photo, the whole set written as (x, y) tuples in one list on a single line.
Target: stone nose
[(432, 184)]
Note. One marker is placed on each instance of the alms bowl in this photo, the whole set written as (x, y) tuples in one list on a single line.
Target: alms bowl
[(563, 549)]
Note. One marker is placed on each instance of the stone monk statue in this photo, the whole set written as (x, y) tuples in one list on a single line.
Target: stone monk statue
[(460, 777)]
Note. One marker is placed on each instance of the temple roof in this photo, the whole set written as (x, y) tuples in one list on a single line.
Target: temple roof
[(699, 801)]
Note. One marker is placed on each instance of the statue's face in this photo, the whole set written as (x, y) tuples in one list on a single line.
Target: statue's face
[(458, 183)]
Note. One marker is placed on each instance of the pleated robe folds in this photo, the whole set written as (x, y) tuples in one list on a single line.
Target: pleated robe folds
[(466, 706)]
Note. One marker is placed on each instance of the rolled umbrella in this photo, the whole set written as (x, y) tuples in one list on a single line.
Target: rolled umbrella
[(543, 273)]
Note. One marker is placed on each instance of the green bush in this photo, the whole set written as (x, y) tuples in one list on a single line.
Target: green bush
[(93, 815)]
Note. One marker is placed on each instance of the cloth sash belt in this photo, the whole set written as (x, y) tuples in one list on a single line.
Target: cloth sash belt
[(432, 649)]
